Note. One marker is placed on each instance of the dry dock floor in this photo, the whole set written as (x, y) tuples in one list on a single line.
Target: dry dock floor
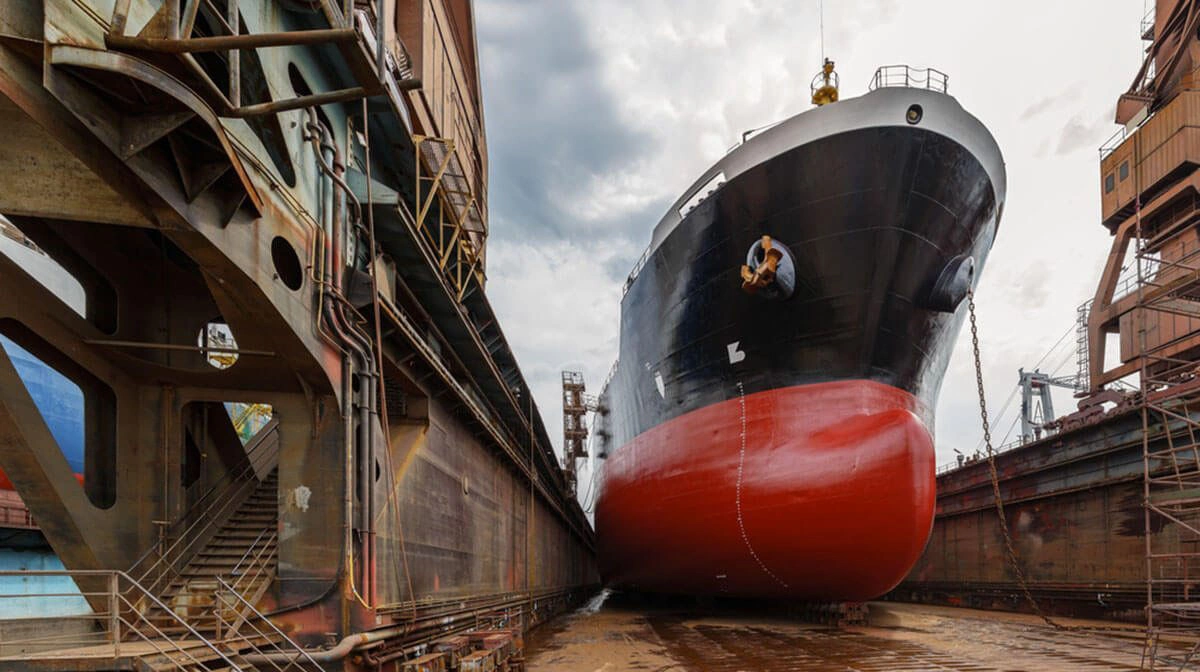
[(617, 632)]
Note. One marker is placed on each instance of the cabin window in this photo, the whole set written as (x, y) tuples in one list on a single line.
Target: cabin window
[(1124, 171), (1109, 183)]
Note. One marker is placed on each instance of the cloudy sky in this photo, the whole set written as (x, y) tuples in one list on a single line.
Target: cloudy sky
[(600, 112)]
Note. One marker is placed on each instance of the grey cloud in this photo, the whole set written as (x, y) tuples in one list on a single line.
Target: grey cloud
[(1077, 134), (1040, 106), (1050, 102), (552, 124)]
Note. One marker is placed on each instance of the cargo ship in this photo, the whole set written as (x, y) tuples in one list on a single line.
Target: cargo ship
[(768, 427)]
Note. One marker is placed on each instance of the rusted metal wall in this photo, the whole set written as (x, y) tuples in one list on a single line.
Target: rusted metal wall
[(1159, 147), (465, 517), (438, 36), (1073, 502), (175, 206)]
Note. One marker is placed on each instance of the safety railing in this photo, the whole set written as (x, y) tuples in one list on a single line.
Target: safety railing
[(637, 268), (1123, 133), (118, 626), (1148, 21), (968, 460), (275, 644), (449, 217), (909, 77), (1113, 142), (251, 576), (161, 564)]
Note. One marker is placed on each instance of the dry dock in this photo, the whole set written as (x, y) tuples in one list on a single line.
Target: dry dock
[(624, 633)]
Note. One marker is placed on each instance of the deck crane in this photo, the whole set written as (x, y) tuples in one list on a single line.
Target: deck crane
[(1037, 383), (1168, 59)]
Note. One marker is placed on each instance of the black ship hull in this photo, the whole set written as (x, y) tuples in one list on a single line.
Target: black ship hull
[(723, 401)]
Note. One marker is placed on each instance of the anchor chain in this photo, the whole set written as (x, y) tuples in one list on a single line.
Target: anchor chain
[(1013, 559)]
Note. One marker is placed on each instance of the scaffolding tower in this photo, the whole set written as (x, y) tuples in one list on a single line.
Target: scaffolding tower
[(1149, 295), (576, 404), (1168, 290)]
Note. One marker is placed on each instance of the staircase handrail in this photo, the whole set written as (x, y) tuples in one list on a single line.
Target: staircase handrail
[(249, 550), (125, 601), (233, 484), (147, 595), (258, 617), (260, 558), (258, 564)]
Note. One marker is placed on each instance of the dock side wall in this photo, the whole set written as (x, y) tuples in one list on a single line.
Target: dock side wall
[(1074, 507)]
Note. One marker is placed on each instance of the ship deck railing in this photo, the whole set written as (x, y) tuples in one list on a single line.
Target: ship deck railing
[(887, 76), (980, 456), (637, 268)]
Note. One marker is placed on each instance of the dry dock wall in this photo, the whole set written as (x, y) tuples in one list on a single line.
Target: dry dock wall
[(465, 515), (1074, 506)]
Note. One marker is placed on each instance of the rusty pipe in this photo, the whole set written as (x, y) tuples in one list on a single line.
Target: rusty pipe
[(258, 109), (329, 311), (338, 652), (355, 337), (428, 628), (343, 327), (328, 317), (362, 343), (368, 411)]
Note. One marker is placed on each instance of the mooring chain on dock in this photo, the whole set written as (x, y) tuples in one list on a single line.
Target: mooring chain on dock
[(991, 460)]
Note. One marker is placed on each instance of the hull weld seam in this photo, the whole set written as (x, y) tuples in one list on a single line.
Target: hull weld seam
[(738, 492)]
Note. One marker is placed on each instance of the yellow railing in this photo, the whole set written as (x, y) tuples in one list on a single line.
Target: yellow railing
[(448, 215)]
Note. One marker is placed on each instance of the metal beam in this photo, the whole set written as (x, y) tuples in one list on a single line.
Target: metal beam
[(32, 460), (339, 96), (194, 45)]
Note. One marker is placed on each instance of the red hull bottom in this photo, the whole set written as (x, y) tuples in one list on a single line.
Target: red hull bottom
[(819, 492)]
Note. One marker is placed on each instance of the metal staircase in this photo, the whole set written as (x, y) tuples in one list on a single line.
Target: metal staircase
[(240, 558), (190, 603)]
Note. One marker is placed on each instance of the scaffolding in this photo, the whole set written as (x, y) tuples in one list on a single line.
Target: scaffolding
[(1150, 203), (448, 215), (1083, 382), (1168, 290), (576, 405)]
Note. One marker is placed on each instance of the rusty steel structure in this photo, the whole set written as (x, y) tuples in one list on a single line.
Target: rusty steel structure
[(1105, 514), (576, 404), (309, 178), (1073, 502), (1149, 190)]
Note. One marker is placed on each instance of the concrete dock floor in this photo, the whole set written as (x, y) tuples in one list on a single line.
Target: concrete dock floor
[(617, 632)]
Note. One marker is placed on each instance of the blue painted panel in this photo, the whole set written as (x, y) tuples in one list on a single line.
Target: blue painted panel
[(71, 603), (59, 400)]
